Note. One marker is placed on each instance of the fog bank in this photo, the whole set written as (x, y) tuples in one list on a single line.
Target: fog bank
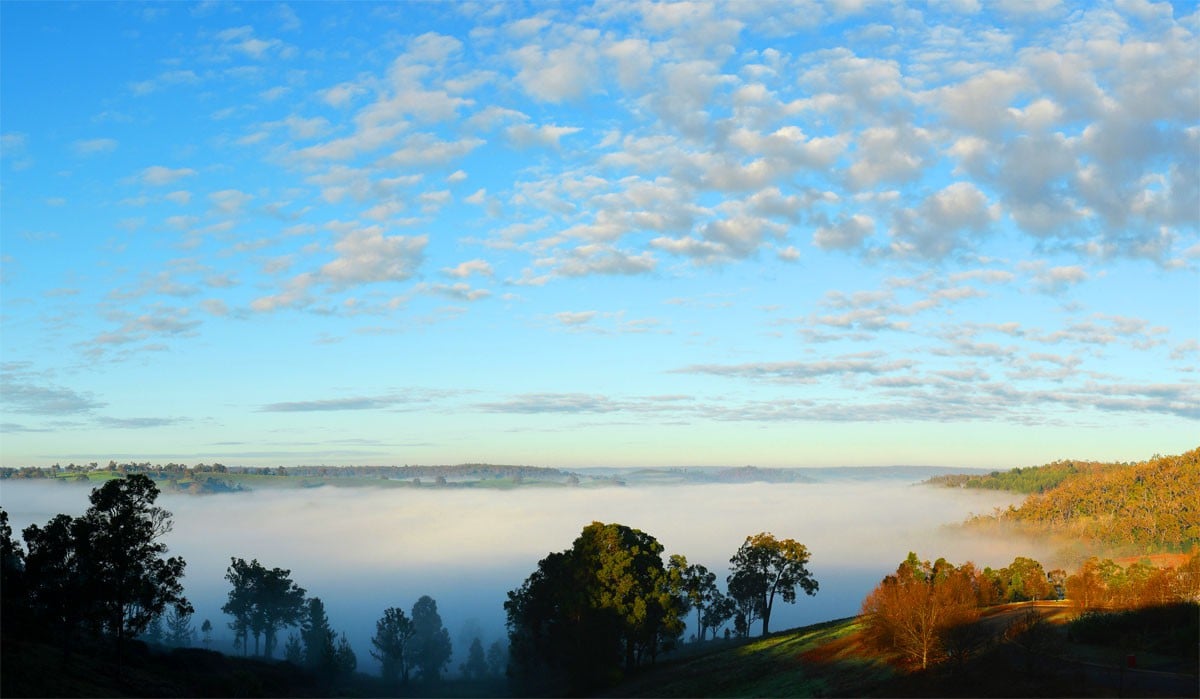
[(363, 549)]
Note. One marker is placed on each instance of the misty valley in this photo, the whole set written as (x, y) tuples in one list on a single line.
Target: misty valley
[(463, 540)]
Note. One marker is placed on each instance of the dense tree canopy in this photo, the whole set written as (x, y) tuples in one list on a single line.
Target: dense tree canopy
[(1149, 506), (592, 612), (105, 571), (915, 611)]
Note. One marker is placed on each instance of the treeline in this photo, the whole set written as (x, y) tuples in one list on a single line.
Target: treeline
[(455, 472), (1028, 479), (459, 471), (926, 613), (1150, 506), (104, 578), (218, 478)]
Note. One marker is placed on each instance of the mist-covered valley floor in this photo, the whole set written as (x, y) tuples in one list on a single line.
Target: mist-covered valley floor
[(362, 550)]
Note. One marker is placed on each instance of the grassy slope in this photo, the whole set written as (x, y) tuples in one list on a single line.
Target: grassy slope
[(821, 660)]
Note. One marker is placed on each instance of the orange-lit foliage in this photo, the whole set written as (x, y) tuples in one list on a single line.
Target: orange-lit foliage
[(915, 611), (1103, 584), (1153, 505), (925, 612)]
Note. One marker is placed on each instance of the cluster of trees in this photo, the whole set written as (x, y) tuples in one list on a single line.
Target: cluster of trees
[(1150, 506), (262, 601), (925, 612), (1105, 585), (420, 644), (104, 574), (592, 613)]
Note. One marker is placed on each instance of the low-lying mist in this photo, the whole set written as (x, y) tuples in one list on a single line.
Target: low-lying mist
[(362, 550)]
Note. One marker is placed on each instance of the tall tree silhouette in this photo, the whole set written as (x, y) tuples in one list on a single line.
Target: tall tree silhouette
[(764, 567), (262, 601), (429, 649), (393, 632)]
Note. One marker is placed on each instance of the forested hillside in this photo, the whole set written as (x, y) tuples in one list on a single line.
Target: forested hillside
[(1028, 479), (1150, 506)]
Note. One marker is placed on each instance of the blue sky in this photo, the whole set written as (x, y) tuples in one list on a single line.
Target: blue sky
[(624, 233)]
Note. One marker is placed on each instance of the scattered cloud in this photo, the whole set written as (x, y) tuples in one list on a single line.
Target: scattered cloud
[(94, 146), (158, 175)]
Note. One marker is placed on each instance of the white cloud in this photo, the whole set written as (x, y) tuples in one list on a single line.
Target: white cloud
[(548, 135), (845, 234), (230, 202), (572, 318), (460, 291), (556, 75), (598, 258), (939, 226), (158, 175), (94, 146), (366, 255), (342, 94), (466, 269), (180, 196)]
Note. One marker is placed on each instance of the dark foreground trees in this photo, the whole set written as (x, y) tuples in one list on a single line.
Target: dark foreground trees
[(591, 613), (765, 567), (393, 632), (104, 573), (429, 648), (262, 602)]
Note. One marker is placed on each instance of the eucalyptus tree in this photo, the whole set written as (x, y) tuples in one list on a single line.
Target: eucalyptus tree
[(765, 567)]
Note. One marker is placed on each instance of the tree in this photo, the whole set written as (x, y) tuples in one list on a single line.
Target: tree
[(1026, 580), (206, 633), (476, 667), (429, 649), (153, 633), (132, 581), (13, 605), (916, 610), (293, 650), (1085, 588), (56, 596), (497, 658), (317, 638), (179, 631), (344, 659), (699, 589), (592, 612), (279, 604), (719, 611), (240, 603), (393, 632), (764, 567), (261, 603)]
